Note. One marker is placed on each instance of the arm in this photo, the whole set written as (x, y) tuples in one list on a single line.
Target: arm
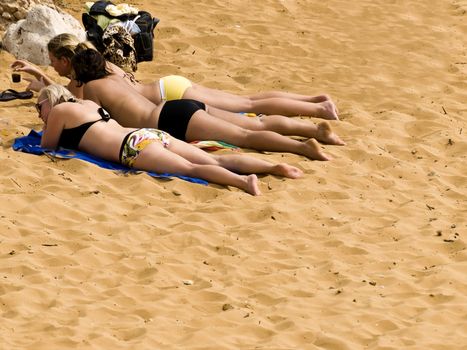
[(41, 78), (53, 127)]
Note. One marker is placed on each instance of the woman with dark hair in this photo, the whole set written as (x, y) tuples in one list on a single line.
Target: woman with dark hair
[(187, 120)]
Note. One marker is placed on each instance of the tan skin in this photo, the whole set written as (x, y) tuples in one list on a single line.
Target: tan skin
[(270, 103), (61, 65), (104, 139), (223, 105), (216, 100), (279, 124), (130, 108)]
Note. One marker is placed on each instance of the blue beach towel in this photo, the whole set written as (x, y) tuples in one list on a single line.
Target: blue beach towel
[(32, 144)]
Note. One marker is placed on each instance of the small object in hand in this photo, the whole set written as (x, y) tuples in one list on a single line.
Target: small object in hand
[(16, 77)]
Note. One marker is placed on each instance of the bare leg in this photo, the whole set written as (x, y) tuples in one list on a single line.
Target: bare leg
[(290, 108), (203, 126), (158, 159), (288, 95), (266, 103), (242, 164), (292, 96), (282, 125)]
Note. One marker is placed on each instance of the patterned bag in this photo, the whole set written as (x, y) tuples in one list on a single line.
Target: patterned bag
[(119, 48)]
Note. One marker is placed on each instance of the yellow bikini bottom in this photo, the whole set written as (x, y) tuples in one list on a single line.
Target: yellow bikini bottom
[(173, 87)]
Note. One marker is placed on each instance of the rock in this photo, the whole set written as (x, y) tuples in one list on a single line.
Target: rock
[(28, 38), (20, 14)]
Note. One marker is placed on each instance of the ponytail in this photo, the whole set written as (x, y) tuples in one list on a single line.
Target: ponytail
[(88, 65)]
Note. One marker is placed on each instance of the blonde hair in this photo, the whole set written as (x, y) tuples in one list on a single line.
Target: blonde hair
[(56, 94), (65, 44)]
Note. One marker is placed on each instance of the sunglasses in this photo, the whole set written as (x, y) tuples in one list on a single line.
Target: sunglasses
[(38, 105)]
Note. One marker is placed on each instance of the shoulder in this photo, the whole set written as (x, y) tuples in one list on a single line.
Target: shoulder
[(58, 111), (61, 107), (95, 88), (100, 84), (113, 68)]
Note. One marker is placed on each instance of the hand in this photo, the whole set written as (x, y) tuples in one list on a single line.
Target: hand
[(25, 66), (34, 84)]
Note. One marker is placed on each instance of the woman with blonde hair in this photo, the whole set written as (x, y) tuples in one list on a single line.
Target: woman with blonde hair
[(173, 87), (83, 125), (61, 50)]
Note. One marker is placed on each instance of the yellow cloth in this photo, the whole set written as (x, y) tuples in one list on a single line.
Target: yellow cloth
[(121, 9), (174, 87)]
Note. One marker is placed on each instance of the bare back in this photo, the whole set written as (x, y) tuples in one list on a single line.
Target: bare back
[(151, 90), (124, 103)]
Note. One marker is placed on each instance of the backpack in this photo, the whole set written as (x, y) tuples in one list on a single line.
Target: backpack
[(143, 40)]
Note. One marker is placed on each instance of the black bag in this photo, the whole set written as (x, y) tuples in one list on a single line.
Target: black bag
[(144, 41), (93, 31)]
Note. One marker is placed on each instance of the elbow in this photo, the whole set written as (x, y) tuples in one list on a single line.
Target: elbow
[(48, 145)]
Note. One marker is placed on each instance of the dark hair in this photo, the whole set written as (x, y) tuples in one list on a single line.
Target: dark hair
[(88, 64)]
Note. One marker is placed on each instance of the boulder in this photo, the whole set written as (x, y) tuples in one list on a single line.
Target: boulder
[(27, 39)]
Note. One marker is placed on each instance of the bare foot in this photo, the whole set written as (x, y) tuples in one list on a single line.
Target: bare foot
[(287, 170), (320, 98), (252, 185), (329, 110), (326, 135), (313, 150), (323, 98)]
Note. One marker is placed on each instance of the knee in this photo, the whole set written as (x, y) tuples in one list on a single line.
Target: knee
[(257, 126), (215, 160), (190, 169), (247, 134), (262, 123), (241, 137), (249, 104)]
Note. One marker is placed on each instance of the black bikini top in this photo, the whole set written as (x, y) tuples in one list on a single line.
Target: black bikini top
[(70, 138)]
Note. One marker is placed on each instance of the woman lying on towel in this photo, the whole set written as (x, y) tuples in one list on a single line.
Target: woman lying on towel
[(85, 126), (187, 120), (62, 48)]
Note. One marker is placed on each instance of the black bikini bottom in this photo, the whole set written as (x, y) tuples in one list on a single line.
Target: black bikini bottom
[(175, 116)]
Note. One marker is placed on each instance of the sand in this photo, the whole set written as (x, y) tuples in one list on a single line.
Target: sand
[(367, 251)]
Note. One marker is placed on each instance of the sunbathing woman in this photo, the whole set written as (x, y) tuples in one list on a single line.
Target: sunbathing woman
[(62, 48), (187, 120), (83, 125)]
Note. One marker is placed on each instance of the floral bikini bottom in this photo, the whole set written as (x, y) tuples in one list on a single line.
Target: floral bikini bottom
[(137, 140)]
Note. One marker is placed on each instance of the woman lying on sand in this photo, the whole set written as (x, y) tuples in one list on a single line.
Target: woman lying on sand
[(62, 48), (187, 120), (83, 125)]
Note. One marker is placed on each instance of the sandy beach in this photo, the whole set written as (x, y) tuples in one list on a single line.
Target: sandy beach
[(367, 251)]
